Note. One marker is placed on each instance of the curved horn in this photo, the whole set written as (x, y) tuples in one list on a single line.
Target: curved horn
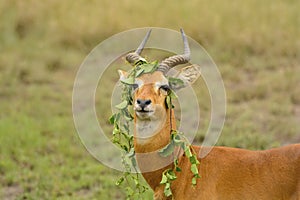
[(172, 61), (132, 58)]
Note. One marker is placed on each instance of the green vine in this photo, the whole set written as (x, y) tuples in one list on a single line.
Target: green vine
[(178, 140), (122, 138)]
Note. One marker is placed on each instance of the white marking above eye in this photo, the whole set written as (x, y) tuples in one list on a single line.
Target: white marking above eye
[(158, 84), (139, 82)]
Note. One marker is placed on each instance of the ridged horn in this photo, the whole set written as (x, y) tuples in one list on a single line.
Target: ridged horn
[(172, 61), (132, 58)]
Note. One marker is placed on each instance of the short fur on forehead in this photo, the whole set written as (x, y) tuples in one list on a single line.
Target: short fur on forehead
[(187, 74), (155, 77)]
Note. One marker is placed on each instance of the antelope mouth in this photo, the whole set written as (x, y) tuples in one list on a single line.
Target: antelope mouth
[(144, 111), (144, 115)]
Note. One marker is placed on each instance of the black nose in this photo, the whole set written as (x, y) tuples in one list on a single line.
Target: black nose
[(143, 103)]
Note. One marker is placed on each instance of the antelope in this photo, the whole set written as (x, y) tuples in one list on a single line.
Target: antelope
[(226, 173)]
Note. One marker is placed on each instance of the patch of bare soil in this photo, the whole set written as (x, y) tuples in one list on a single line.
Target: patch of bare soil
[(11, 192)]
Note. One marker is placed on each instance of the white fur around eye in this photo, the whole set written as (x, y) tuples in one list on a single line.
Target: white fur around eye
[(139, 82)]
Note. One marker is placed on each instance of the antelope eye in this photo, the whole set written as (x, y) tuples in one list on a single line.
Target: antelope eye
[(165, 88), (135, 86)]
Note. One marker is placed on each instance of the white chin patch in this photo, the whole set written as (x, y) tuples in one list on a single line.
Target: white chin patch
[(144, 115)]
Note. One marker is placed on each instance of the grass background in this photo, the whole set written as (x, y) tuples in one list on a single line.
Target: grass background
[(255, 44)]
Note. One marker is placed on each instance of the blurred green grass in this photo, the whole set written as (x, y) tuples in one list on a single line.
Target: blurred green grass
[(256, 45)]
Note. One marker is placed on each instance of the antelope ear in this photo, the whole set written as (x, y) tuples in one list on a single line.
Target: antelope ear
[(123, 75), (188, 75)]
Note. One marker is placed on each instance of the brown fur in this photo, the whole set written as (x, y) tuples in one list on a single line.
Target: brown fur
[(226, 173)]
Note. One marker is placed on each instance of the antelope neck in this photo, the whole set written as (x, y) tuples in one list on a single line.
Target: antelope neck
[(152, 135)]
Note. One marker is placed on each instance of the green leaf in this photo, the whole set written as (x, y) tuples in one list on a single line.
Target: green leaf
[(116, 140), (194, 160), (112, 119), (131, 153), (136, 182), (128, 81), (120, 181), (139, 72), (172, 94), (171, 175), (117, 118), (176, 82), (167, 150), (194, 180), (167, 190), (176, 162), (178, 169), (126, 135), (122, 105), (129, 191), (197, 176), (187, 151), (164, 179), (155, 63), (194, 169), (116, 131), (127, 115), (173, 133), (149, 68), (133, 161), (168, 101), (124, 147), (177, 140)]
